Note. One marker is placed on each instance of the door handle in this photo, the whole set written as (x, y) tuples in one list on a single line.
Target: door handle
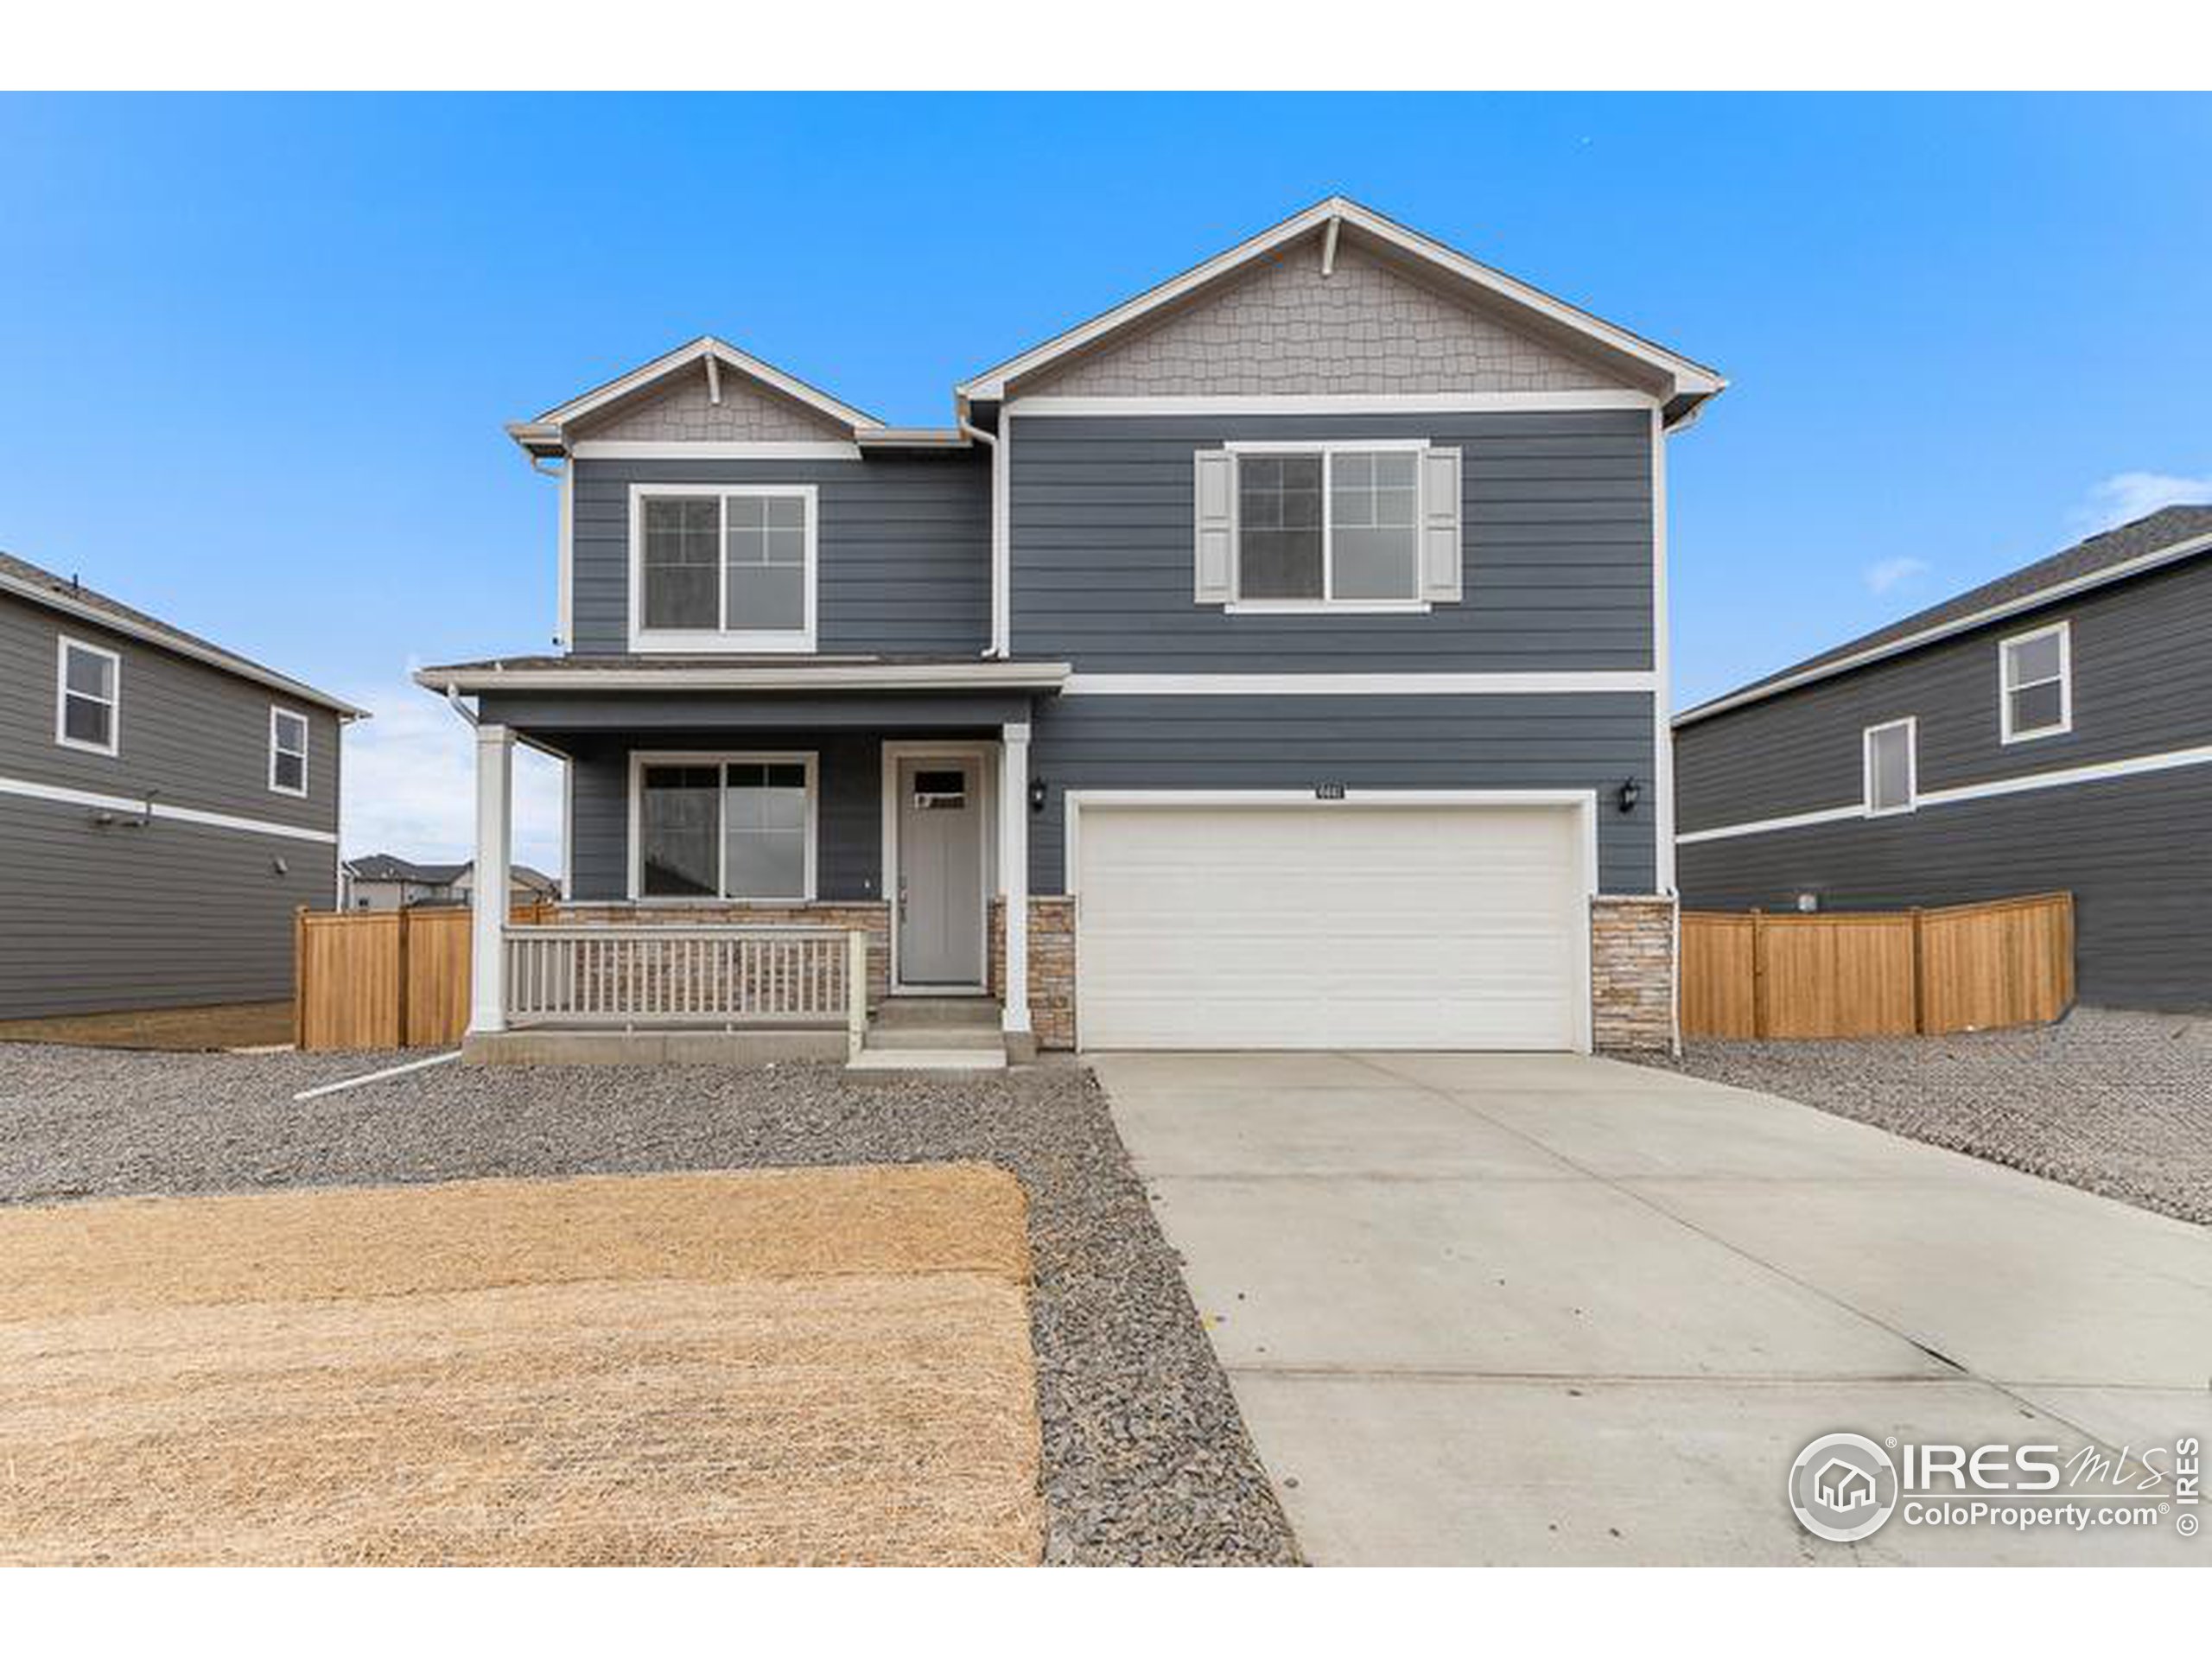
[(902, 897)]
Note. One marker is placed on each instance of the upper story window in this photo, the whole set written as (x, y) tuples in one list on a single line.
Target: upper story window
[(1354, 526), (2035, 689), (722, 567), (87, 697), (288, 752), (1892, 767)]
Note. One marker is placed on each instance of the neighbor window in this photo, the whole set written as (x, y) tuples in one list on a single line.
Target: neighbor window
[(1328, 526), (1892, 782), (726, 827), (87, 697), (2036, 683), (724, 569), (288, 752)]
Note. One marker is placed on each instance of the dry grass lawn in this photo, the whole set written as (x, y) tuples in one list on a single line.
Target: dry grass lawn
[(228, 1024), (773, 1366)]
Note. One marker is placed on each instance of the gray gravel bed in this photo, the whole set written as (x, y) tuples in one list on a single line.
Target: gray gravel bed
[(2115, 1103), (1146, 1458)]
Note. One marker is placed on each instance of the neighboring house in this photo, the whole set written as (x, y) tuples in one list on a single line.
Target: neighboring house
[(1275, 660), (165, 806), (385, 882), (2050, 730)]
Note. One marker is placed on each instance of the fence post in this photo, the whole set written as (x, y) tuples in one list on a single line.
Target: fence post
[(1919, 978), (855, 991), (400, 968), (1759, 976), (300, 977)]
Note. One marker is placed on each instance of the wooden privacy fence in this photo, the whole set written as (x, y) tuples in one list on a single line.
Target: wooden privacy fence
[(382, 979), (1878, 973)]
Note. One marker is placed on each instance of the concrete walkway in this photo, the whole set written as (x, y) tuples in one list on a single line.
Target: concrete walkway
[(1532, 1309)]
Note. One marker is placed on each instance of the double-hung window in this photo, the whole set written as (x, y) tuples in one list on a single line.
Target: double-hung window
[(2035, 684), (1370, 526), (722, 567), (1892, 767), (734, 826), (87, 697), (288, 752)]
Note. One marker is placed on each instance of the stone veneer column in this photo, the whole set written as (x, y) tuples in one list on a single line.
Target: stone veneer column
[(1632, 973)]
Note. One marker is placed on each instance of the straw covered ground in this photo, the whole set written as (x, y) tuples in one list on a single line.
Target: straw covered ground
[(822, 1365)]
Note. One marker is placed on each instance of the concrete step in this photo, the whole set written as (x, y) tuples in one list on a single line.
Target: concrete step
[(965, 1037), (936, 1013), (928, 1059)]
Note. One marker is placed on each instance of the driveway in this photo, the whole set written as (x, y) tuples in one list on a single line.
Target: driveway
[(1544, 1308)]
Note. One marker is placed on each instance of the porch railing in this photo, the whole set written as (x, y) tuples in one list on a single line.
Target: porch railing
[(679, 975)]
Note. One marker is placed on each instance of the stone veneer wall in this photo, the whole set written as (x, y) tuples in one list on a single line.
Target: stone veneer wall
[(1632, 972), (873, 916), (1051, 967)]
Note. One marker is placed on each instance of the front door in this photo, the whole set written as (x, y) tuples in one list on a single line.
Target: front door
[(939, 898)]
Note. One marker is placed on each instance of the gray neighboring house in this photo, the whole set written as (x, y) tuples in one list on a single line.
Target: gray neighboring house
[(1276, 659), (378, 882), (165, 806), (2048, 730)]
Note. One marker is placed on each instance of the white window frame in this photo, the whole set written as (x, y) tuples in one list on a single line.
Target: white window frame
[(64, 645), (761, 641), (640, 759), (1910, 726), (2006, 685), (278, 714), (1328, 450)]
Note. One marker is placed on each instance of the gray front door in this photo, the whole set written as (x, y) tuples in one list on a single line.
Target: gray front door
[(940, 893)]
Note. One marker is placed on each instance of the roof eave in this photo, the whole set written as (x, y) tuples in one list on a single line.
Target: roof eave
[(469, 681)]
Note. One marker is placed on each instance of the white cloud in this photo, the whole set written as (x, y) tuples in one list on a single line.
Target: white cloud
[(409, 784), (2125, 497), (1885, 574)]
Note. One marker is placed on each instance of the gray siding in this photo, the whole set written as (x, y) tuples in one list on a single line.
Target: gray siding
[(1581, 741), (1556, 516), (903, 545), (95, 919)]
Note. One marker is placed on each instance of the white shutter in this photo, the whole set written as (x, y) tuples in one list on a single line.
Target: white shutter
[(1215, 581), (1440, 546)]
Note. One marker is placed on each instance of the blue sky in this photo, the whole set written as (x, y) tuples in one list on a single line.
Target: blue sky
[(258, 351)]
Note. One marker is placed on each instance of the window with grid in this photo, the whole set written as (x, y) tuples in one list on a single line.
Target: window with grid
[(87, 697), (1329, 526), (729, 568)]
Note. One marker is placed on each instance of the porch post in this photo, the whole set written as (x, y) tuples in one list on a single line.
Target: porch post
[(487, 1002), (1013, 871)]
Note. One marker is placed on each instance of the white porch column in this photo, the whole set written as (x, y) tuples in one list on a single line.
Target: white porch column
[(487, 1001), (1013, 871)]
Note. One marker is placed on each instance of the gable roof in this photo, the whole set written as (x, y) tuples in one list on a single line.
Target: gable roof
[(390, 867), (1689, 382), (2144, 544), (546, 435), (72, 598)]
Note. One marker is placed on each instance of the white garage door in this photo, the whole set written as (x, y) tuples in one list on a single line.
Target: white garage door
[(1331, 925)]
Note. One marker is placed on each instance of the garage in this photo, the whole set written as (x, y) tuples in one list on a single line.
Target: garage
[(1260, 921)]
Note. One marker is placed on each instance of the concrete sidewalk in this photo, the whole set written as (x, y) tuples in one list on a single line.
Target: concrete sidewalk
[(1533, 1309)]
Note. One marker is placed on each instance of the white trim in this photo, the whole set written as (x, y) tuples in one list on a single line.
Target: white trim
[(1961, 794), (1910, 725), (1328, 607), (1012, 828), (1689, 377), (124, 806), (815, 675), (276, 712), (2006, 686), (682, 358), (567, 828), (1357, 685), (1582, 802), (63, 644), (738, 641), (564, 576), (492, 873), (640, 759), (1045, 405), (1997, 613), (984, 756), (713, 450), (1002, 541), (1663, 735)]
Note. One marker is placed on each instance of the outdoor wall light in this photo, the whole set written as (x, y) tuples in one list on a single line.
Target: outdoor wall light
[(1632, 792), (1036, 794)]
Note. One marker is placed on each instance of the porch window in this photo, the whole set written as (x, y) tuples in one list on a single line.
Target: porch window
[(723, 568), (738, 827)]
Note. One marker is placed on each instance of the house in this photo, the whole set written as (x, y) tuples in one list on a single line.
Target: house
[(1274, 660), (385, 881), (165, 806), (2050, 730)]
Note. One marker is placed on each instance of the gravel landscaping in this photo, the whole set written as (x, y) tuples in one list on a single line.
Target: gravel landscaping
[(1146, 1458), (2115, 1103)]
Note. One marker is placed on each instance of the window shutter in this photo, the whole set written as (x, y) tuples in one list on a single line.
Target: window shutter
[(1215, 581), (1440, 546)]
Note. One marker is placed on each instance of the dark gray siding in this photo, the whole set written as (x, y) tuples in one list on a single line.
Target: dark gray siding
[(1556, 514), (174, 914), (904, 544), (1579, 741)]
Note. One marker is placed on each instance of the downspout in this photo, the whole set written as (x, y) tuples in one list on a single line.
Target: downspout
[(1001, 561)]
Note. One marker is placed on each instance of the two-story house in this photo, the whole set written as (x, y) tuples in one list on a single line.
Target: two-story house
[(2047, 731), (1277, 660), (165, 806)]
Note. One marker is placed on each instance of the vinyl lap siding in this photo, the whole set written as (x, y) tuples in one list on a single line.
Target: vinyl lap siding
[(1556, 519)]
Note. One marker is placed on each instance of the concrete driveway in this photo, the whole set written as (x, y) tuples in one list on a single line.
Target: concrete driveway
[(1544, 1308)]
